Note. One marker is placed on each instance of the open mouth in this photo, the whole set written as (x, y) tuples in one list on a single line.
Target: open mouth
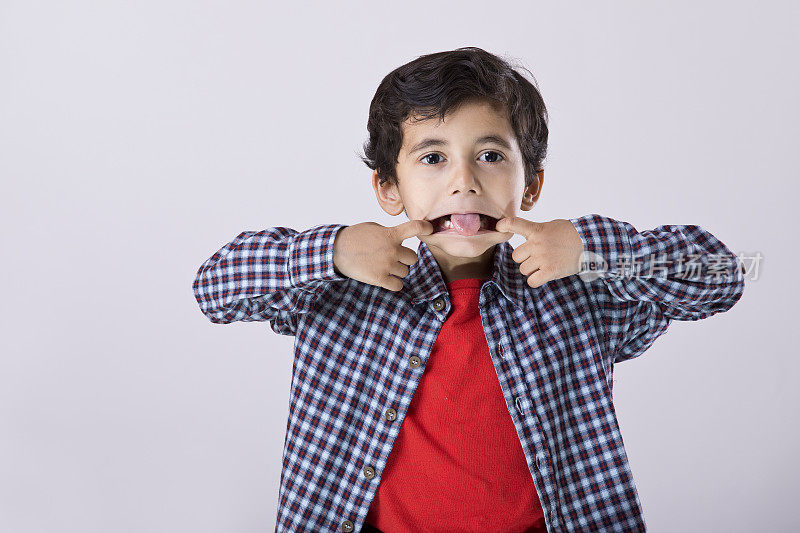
[(466, 224)]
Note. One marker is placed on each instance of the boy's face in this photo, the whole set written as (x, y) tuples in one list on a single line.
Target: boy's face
[(468, 163)]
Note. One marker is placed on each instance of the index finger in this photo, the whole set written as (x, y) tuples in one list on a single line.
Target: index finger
[(412, 228), (515, 224)]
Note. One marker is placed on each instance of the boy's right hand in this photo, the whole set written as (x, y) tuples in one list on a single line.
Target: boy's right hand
[(374, 254)]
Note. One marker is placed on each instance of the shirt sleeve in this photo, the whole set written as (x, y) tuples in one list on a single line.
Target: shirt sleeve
[(274, 274), (672, 272)]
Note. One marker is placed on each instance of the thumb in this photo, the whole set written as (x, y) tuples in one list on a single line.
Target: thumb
[(412, 228), (516, 225)]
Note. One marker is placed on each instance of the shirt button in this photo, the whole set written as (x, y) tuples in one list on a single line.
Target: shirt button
[(438, 304), (347, 526), (414, 361), (369, 472), (391, 414)]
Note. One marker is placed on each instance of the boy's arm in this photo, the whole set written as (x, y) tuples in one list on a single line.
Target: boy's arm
[(273, 274), (656, 273)]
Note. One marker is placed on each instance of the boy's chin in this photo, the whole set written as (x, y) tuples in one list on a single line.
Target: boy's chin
[(463, 245)]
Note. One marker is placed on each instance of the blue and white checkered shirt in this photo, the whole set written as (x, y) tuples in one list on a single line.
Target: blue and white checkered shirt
[(361, 350)]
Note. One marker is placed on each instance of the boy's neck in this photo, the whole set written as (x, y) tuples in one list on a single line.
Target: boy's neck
[(454, 268)]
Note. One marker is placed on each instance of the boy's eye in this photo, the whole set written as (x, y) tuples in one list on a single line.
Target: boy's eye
[(491, 152), (428, 161)]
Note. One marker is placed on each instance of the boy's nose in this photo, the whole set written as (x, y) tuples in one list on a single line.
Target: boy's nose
[(463, 180)]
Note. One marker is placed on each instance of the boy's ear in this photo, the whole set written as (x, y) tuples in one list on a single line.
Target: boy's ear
[(387, 194), (532, 191)]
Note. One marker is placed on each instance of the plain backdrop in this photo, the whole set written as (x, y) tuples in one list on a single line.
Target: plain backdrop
[(136, 138)]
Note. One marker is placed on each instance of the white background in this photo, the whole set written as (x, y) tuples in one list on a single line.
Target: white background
[(136, 138)]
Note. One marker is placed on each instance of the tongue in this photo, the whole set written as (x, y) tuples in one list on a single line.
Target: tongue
[(467, 223)]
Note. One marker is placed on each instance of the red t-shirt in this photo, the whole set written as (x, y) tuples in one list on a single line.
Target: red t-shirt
[(457, 463)]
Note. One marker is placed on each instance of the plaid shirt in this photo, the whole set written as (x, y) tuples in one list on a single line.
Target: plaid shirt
[(360, 351)]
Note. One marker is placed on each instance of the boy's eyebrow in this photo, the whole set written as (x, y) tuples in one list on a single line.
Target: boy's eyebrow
[(432, 141)]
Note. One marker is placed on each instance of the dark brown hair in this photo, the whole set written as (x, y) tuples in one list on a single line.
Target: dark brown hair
[(436, 84)]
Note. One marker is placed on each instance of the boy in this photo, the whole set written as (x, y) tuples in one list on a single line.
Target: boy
[(466, 387)]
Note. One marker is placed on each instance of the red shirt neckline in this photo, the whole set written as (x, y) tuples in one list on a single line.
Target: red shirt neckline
[(465, 282)]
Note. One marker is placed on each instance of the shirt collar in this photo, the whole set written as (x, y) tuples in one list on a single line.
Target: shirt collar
[(424, 281)]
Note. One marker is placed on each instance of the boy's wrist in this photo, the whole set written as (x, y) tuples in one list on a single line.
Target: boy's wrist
[(311, 255), (605, 241), (335, 250)]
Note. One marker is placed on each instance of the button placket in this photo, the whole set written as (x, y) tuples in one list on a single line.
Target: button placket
[(541, 465)]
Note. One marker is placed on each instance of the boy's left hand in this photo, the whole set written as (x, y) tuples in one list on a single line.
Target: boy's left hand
[(551, 250)]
